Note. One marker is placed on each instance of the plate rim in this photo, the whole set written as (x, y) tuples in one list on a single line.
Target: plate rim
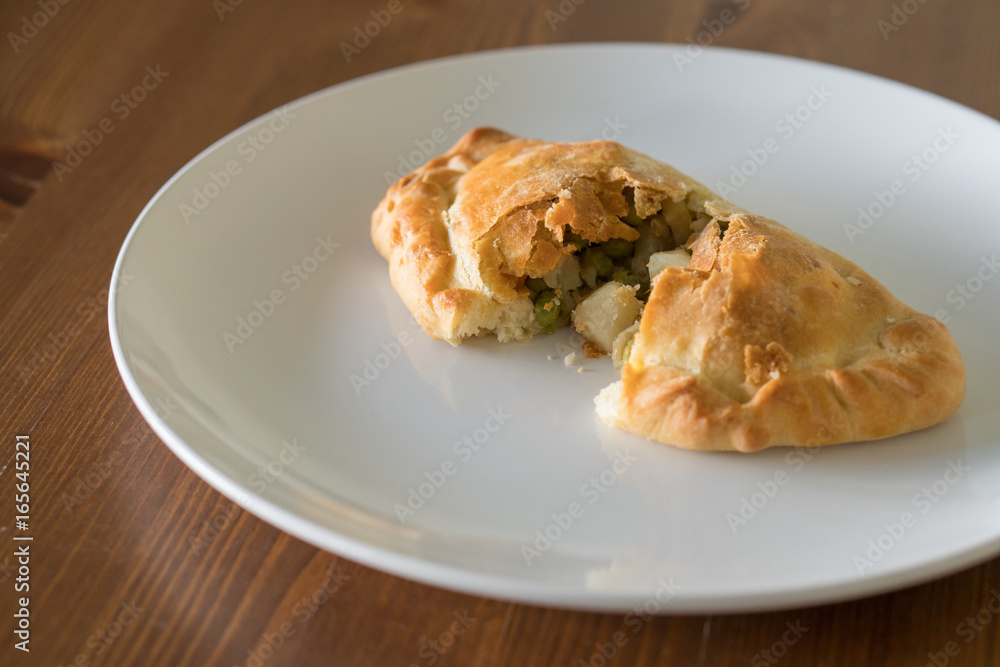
[(504, 587)]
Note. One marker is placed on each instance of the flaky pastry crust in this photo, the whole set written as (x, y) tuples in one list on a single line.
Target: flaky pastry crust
[(765, 339), (463, 231), (770, 339)]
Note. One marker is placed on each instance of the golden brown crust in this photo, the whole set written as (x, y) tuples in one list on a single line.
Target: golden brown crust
[(410, 229), (765, 339), (770, 339), (463, 231)]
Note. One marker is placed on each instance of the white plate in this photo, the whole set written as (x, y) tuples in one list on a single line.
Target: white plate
[(818, 141)]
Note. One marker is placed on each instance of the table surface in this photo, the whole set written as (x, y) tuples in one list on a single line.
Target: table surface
[(135, 560)]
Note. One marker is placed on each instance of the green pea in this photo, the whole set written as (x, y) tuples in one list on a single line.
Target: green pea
[(576, 239), (617, 248), (536, 284), (625, 277), (548, 308), (627, 352), (632, 217), (599, 261)]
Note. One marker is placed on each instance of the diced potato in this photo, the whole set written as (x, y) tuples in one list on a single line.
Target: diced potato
[(566, 276), (661, 260), (622, 340), (662, 229), (647, 244), (700, 222), (696, 201), (606, 313), (678, 216)]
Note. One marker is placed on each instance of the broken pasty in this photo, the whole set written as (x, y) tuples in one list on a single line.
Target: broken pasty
[(732, 332), (504, 235)]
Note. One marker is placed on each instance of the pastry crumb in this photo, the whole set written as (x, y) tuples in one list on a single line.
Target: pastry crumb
[(592, 351), (569, 359), (854, 280), (580, 369), (549, 357)]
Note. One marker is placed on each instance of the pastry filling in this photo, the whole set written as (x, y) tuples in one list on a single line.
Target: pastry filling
[(601, 287)]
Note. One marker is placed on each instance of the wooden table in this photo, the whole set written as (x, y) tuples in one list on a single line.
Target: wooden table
[(135, 560)]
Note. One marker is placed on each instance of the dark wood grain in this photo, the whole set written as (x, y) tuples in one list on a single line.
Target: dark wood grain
[(126, 533)]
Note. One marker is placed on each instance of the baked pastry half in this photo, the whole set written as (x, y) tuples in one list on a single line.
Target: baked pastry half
[(501, 235), (770, 339), (732, 332)]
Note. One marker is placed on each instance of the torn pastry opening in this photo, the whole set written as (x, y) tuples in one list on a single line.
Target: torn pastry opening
[(600, 286)]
